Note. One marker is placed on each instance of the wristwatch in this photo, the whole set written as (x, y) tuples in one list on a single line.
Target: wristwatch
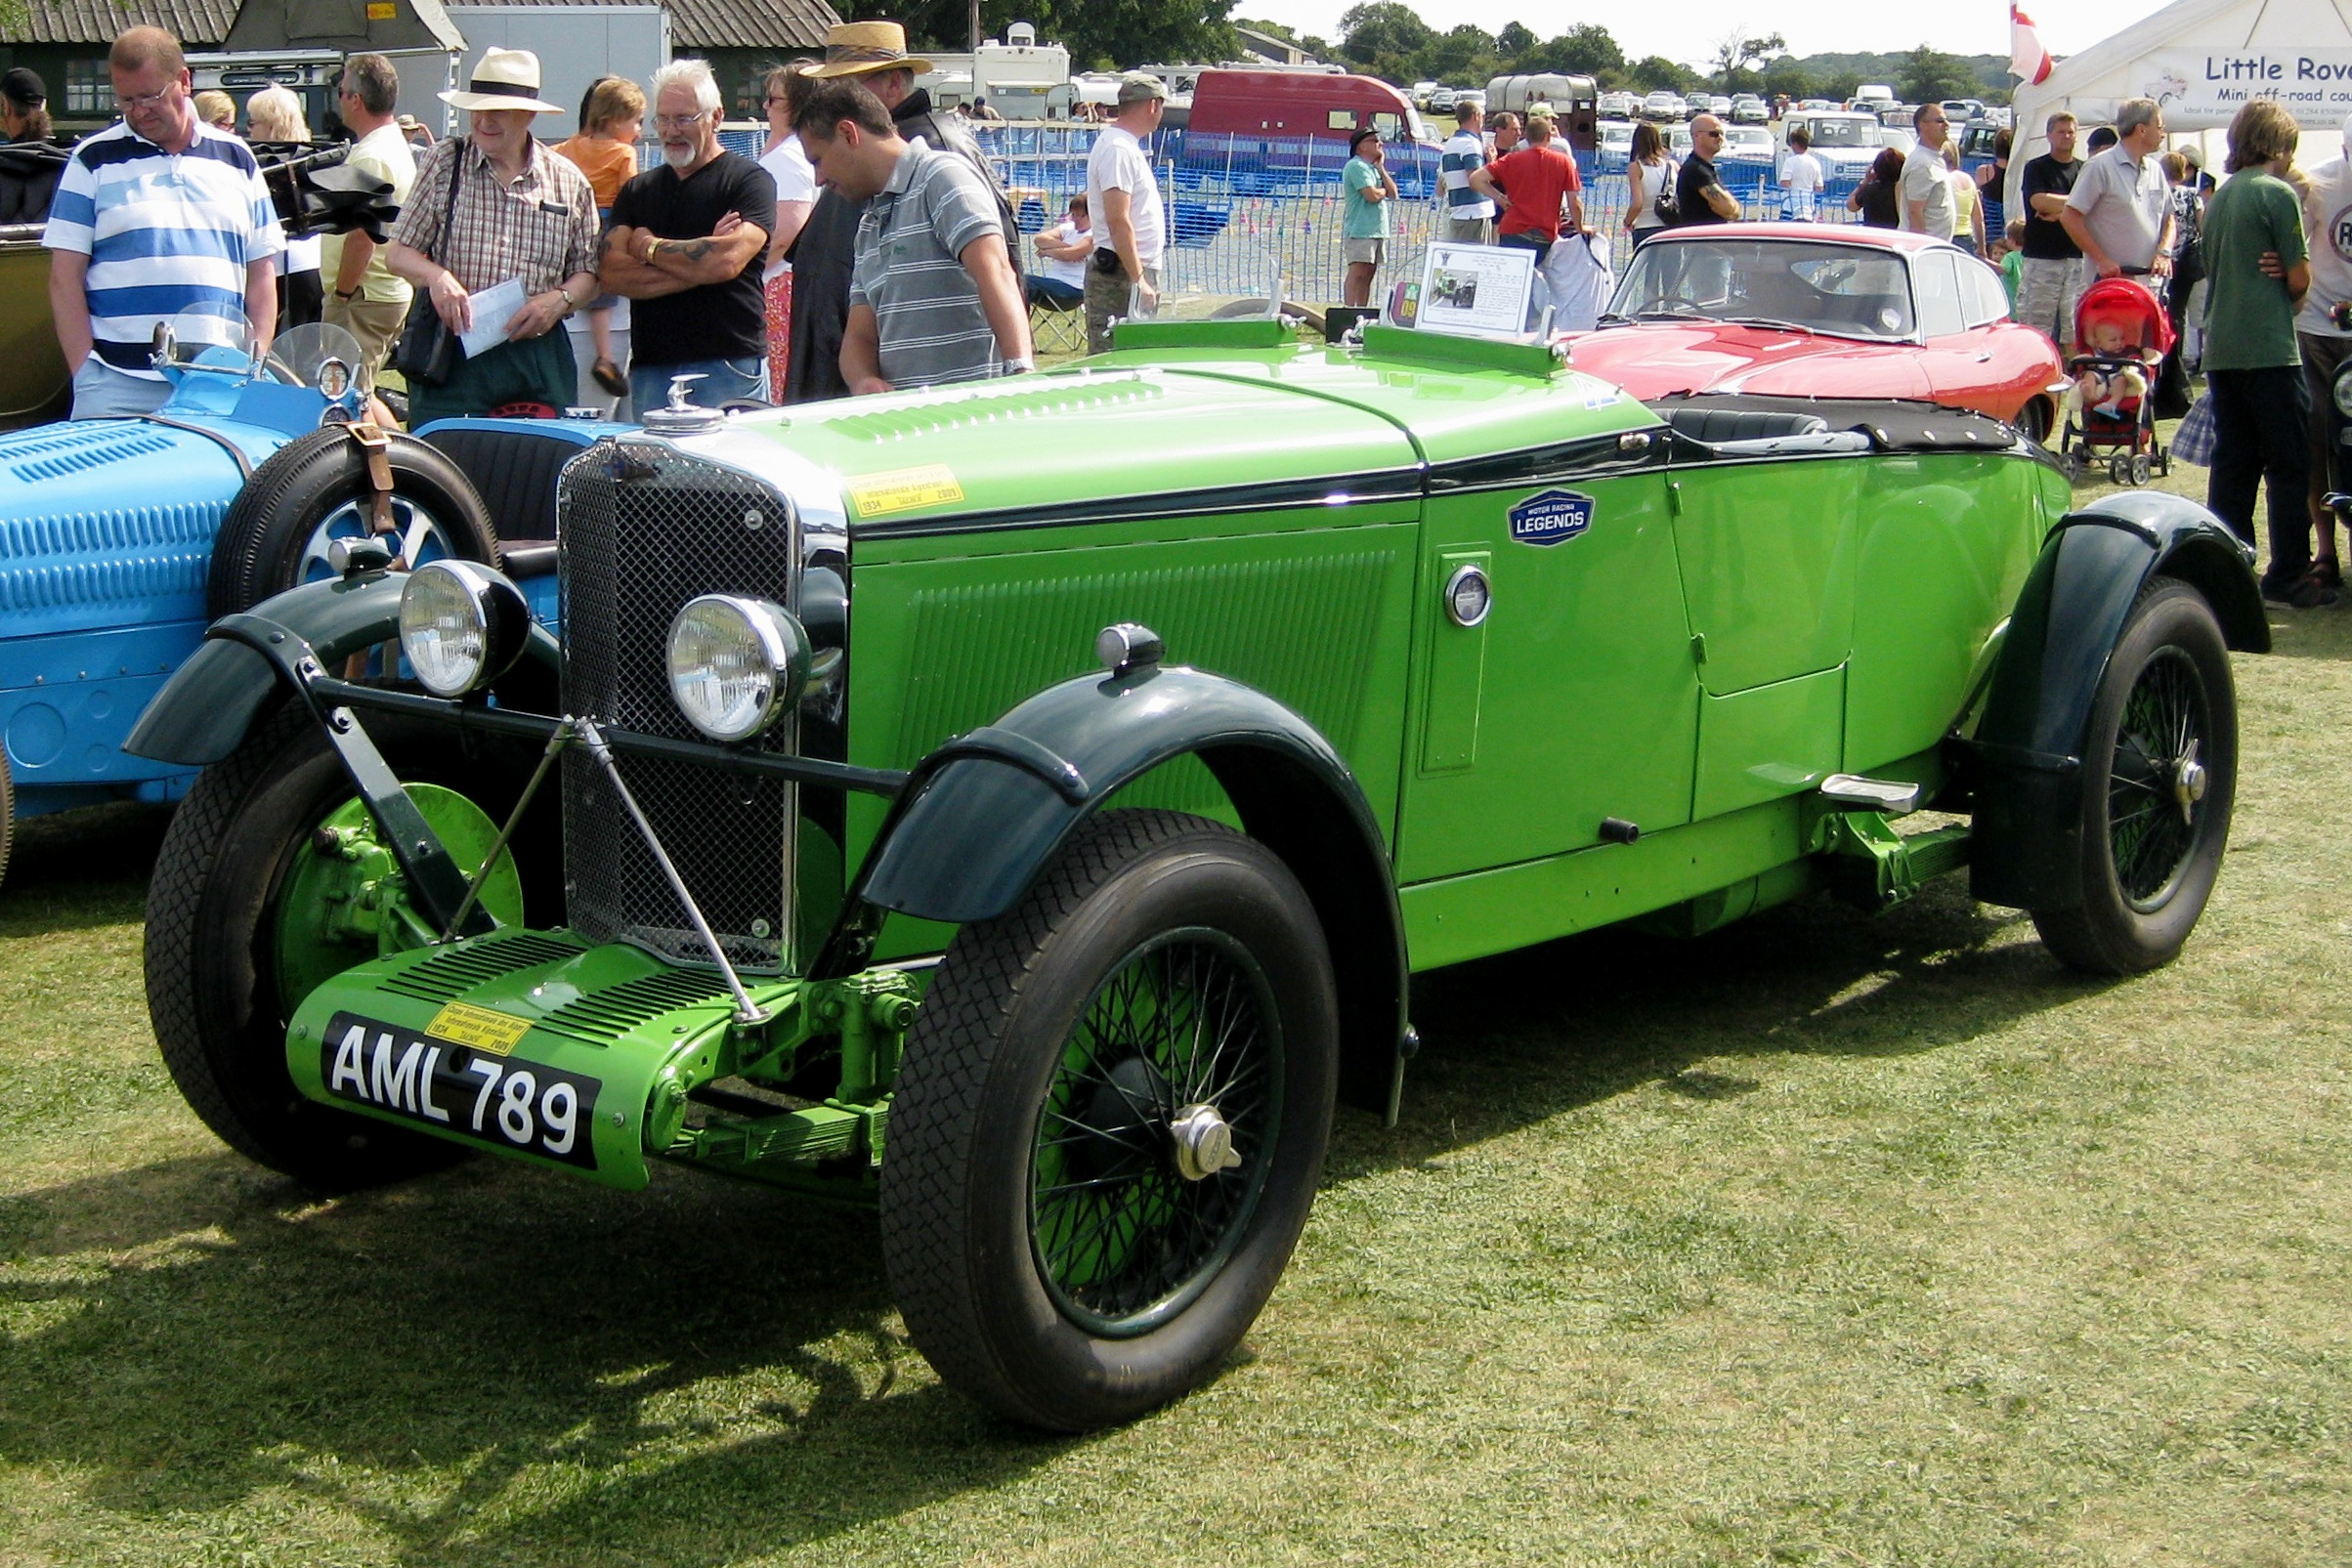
[(1019, 366)]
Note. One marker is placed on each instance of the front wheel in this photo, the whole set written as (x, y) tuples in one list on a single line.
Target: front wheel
[(2160, 776), (1111, 1121), (250, 908)]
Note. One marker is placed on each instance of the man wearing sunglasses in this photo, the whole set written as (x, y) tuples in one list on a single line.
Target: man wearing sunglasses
[(687, 245), (1698, 193), (155, 216)]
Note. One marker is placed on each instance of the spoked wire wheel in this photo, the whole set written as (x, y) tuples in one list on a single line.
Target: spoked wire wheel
[(2158, 783), (1110, 1122), (1152, 1146), (2160, 776)]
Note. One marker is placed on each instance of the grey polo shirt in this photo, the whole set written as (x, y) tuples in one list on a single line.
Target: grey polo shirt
[(907, 270), (2123, 203)]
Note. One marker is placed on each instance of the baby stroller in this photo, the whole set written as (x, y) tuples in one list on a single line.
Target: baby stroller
[(2121, 336)]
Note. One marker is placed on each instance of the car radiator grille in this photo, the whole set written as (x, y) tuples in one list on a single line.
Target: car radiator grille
[(644, 529)]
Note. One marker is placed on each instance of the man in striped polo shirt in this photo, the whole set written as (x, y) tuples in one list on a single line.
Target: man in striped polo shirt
[(155, 216), (1468, 212), (933, 296)]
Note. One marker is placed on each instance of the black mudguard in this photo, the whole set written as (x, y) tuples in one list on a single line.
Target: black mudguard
[(214, 699), (983, 825), (2026, 754)]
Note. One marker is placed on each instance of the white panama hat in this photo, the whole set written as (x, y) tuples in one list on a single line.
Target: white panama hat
[(503, 78)]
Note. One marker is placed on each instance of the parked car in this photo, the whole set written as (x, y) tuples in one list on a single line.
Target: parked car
[(1442, 101), (1964, 109), (1664, 105), (1037, 851), (1720, 105), (1615, 146), (1748, 143), (1844, 143), (1900, 138), (1618, 105), (1749, 110), (1840, 311), (121, 538), (1419, 93)]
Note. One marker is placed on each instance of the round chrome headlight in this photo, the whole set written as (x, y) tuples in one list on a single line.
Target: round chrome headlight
[(736, 665), (461, 626), (2343, 392)]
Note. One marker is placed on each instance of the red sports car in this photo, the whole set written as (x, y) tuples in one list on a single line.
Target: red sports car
[(1822, 310)]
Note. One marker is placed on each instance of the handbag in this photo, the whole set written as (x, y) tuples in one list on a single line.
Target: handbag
[(428, 352)]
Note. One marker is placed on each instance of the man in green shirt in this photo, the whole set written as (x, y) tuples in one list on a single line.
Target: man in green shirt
[(1364, 226), (2257, 271)]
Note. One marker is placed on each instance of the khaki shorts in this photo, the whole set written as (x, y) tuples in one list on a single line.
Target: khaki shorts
[(1363, 252)]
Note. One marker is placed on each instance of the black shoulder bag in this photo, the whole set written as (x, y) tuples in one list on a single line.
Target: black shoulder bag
[(428, 352)]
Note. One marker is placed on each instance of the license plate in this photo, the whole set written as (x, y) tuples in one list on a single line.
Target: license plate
[(526, 1107)]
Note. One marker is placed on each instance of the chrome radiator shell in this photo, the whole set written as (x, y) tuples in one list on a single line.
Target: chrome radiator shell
[(644, 525)]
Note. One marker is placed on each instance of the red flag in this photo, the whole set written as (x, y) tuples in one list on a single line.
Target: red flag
[(2029, 61)]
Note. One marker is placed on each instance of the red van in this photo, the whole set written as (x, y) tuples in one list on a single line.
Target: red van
[(1302, 104)]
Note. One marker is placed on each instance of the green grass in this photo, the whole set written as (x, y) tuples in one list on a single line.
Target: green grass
[(1824, 1239)]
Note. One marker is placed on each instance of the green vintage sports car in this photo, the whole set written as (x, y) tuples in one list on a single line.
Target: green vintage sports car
[(1020, 807)]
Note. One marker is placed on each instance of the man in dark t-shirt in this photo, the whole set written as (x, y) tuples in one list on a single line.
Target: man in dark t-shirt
[(686, 244), (2050, 268), (1698, 193)]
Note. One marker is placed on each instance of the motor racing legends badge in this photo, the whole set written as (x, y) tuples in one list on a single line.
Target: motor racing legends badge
[(1550, 516)]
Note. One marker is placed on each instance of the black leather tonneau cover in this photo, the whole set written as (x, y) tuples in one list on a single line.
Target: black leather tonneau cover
[(1891, 424)]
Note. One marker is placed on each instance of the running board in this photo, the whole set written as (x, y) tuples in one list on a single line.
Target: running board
[(1851, 792)]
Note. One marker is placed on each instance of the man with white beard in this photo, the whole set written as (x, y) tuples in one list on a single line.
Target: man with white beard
[(686, 244)]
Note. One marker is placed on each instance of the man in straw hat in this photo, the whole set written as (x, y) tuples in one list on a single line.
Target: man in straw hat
[(121, 258), (876, 54), (519, 212)]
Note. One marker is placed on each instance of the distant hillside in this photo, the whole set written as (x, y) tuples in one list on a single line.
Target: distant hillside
[(1991, 71)]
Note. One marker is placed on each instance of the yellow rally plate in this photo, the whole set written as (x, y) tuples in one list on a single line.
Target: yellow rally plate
[(904, 488), (478, 1027)]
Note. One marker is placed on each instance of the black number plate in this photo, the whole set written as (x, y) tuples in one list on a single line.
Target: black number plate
[(528, 1106)]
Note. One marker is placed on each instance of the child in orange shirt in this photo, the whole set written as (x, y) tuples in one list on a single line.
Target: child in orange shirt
[(612, 117)]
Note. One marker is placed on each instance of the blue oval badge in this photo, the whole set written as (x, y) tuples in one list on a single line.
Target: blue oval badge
[(1550, 516)]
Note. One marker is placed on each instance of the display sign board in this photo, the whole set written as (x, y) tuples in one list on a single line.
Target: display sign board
[(2210, 85), (1471, 291)]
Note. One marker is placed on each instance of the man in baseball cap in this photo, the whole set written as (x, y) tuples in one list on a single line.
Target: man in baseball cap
[(822, 258)]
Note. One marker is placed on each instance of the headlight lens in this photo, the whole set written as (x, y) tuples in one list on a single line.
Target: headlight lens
[(736, 665), (2343, 394), (461, 626)]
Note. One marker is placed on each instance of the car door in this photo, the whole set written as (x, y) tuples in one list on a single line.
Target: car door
[(1570, 696), (1958, 357), (1767, 549)]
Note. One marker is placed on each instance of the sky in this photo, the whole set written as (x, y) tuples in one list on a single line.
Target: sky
[(1687, 30)]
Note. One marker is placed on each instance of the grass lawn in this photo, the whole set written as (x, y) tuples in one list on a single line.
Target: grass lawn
[(1825, 1238)]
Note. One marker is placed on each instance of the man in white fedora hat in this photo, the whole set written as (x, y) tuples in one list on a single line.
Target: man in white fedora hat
[(876, 54), (519, 212)]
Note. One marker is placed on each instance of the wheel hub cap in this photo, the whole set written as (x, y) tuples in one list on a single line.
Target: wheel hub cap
[(2189, 782), (1204, 1143)]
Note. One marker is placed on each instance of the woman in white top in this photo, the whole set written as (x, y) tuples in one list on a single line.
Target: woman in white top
[(795, 192), (275, 115), (1650, 172)]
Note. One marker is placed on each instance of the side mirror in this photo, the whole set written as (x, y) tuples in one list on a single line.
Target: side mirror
[(166, 344)]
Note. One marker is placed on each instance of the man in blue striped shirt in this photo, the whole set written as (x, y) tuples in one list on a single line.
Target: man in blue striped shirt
[(155, 216), (1468, 211)]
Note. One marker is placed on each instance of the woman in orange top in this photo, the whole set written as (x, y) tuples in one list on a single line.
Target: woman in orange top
[(612, 117)]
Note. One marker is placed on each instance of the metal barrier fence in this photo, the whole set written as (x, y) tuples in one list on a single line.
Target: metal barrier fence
[(1239, 226), (1248, 213)]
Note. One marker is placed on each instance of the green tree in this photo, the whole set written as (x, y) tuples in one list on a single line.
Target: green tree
[(1928, 75), (1584, 50), (1098, 34), (1385, 38), (1656, 73), (1513, 41), (1735, 50), (1789, 75), (1463, 50)]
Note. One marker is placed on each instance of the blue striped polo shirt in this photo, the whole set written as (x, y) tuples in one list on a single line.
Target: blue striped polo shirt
[(164, 231), (1463, 154)]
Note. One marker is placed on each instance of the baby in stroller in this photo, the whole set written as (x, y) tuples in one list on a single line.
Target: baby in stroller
[(2121, 336)]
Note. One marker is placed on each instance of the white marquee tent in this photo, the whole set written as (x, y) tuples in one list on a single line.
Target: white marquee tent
[(2202, 59)]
